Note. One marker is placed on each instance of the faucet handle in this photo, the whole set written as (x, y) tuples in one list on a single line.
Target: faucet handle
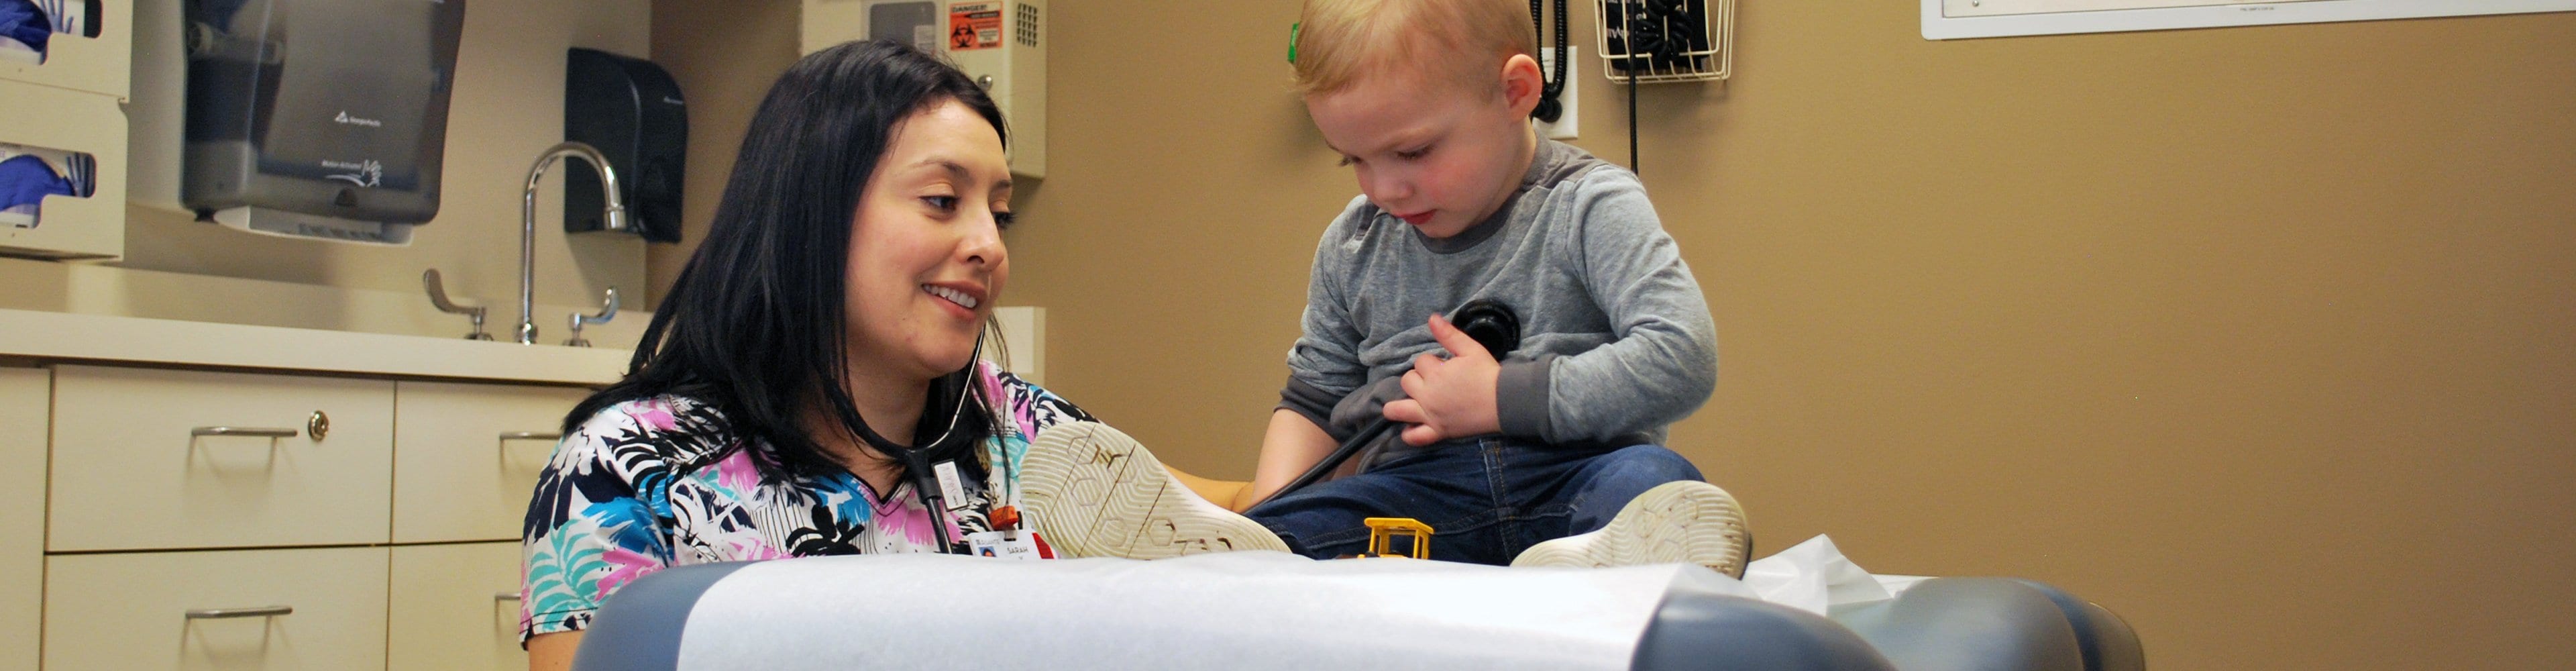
[(438, 297), (607, 312)]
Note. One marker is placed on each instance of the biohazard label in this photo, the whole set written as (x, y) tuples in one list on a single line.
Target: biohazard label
[(974, 25)]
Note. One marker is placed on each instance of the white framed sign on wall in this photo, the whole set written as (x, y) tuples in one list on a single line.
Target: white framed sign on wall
[(1961, 19)]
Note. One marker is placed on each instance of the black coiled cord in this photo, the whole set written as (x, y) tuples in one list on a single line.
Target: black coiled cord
[(1551, 89)]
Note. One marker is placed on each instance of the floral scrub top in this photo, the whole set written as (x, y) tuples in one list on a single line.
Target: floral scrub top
[(660, 482)]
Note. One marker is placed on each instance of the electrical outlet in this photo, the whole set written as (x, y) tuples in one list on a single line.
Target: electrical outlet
[(1564, 128)]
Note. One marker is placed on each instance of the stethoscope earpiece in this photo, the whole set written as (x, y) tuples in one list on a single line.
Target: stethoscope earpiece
[(1491, 323)]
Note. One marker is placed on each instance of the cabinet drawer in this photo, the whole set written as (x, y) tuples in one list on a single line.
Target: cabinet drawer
[(447, 614), (131, 468), (23, 394), (466, 456), (134, 610)]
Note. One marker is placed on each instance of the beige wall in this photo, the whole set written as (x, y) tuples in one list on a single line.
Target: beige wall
[(2259, 336), (507, 107), (724, 73)]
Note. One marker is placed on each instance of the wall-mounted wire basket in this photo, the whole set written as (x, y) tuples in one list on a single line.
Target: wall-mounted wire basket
[(1651, 41)]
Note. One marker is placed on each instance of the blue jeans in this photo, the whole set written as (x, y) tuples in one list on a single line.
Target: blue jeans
[(1486, 499)]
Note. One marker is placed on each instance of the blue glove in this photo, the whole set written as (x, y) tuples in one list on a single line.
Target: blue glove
[(21, 21), (27, 180)]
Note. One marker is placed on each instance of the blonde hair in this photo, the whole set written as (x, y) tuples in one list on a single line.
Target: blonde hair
[(1341, 41)]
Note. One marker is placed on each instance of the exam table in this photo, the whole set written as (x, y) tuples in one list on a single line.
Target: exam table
[(1260, 610)]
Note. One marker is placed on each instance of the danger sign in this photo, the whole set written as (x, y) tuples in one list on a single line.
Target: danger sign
[(974, 25)]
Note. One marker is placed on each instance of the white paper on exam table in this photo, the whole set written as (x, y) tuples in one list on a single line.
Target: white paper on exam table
[(1244, 610), (1814, 576), (1235, 610)]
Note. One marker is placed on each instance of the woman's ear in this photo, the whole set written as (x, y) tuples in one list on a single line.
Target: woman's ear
[(1522, 83)]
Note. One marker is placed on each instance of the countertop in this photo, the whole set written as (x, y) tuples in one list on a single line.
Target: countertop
[(87, 338)]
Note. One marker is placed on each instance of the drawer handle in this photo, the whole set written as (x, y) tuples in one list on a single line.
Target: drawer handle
[(505, 596), (241, 431), (531, 435), (228, 613)]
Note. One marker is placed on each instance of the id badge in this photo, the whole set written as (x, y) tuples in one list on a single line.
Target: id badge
[(950, 489), (1009, 544)]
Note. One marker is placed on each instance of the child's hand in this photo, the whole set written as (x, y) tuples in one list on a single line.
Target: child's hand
[(1448, 398)]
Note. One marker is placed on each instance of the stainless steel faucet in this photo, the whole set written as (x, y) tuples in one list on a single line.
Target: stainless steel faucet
[(615, 220), (438, 297)]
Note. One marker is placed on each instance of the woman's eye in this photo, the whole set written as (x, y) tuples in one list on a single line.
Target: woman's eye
[(1004, 218), (943, 203), (1346, 162), (1413, 154)]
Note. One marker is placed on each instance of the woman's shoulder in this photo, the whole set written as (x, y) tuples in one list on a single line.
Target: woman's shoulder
[(667, 428), (1027, 406)]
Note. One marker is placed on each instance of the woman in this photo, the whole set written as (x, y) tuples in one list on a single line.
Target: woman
[(812, 379)]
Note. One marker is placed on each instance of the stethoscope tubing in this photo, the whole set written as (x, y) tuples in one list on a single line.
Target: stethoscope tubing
[(1490, 322)]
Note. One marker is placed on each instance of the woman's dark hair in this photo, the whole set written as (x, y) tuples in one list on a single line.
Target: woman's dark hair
[(754, 326)]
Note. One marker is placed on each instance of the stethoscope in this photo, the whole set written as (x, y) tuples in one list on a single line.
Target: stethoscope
[(1488, 322), (916, 458)]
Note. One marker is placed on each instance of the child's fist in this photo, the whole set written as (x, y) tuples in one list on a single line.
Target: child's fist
[(1448, 398)]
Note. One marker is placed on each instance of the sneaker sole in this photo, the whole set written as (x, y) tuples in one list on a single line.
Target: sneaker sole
[(1675, 522), (1094, 492)]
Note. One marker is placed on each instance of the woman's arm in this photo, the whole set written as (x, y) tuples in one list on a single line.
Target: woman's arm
[(552, 652), (589, 521)]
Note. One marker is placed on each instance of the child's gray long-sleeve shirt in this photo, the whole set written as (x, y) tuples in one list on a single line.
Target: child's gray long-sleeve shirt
[(1616, 341)]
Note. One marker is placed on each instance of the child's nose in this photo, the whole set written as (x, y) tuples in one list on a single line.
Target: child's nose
[(1388, 187)]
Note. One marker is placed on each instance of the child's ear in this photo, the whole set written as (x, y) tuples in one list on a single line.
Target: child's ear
[(1522, 83)]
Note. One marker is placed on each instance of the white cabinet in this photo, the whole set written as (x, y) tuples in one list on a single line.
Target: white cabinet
[(288, 520), (24, 394), (316, 608), (150, 458), (140, 489), (456, 607), (469, 457)]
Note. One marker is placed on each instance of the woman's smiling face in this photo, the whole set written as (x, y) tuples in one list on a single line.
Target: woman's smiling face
[(926, 261)]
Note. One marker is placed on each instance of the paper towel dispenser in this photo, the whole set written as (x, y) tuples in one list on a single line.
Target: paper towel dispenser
[(318, 118)]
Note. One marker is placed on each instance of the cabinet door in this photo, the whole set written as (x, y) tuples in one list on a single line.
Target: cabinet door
[(24, 393), (144, 611), (130, 470), (466, 456), (455, 607)]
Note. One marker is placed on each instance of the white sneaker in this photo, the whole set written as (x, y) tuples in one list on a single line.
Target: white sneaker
[(1681, 521), (1095, 492)]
